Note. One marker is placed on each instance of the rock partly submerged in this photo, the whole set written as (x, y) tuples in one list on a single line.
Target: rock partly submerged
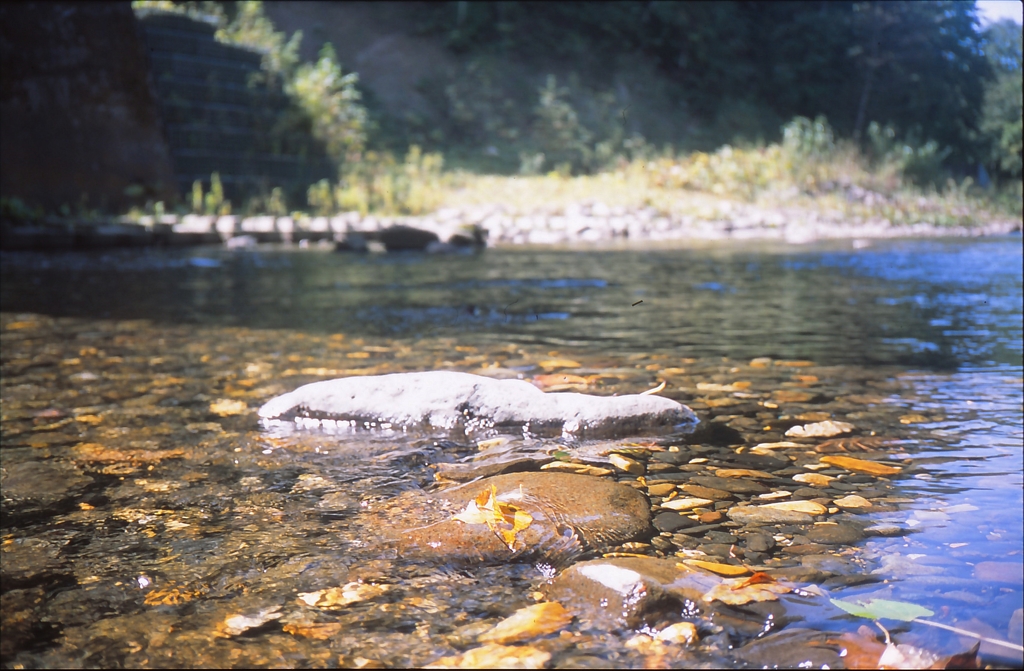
[(568, 515), (460, 402)]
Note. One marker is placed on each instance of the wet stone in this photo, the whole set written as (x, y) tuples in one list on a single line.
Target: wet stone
[(674, 458), (716, 549), (759, 542), (626, 591), (707, 492), (806, 493), (711, 518), (461, 402), (733, 485), (670, 522), (764, 515), (570, 513), (835, 534), (829, 564)]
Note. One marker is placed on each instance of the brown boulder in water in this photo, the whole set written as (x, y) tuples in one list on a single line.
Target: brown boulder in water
[(569, 514)]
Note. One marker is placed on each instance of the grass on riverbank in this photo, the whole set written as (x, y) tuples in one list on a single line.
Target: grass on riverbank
[(808, 170)]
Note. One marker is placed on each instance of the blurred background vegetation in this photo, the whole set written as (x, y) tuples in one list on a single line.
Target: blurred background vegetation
[(733, 98)]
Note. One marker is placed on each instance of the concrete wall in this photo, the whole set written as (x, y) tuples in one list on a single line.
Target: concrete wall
[(78, 120), (218, 120)]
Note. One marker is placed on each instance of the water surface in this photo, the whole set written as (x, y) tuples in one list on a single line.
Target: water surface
[(142, 508)]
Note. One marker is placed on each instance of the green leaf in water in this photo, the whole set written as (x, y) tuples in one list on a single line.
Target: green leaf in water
[(560, 455), (877, 609)]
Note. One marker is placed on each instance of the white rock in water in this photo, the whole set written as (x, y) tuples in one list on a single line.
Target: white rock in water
[(451, 401)]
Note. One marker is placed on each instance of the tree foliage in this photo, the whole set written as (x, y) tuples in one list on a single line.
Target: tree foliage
[(1001, 117)]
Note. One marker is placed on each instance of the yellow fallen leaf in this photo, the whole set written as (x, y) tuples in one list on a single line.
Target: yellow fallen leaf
[(505, 520), (758, 587), (495, 656), (860, 465), (225, 407), (912, 418), (530, 622), (720, 569)]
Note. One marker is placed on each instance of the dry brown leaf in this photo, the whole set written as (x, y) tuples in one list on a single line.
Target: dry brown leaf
[(758, 587), (505, 520), (530, 622)]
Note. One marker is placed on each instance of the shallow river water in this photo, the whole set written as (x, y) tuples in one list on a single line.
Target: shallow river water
[(150, 520)]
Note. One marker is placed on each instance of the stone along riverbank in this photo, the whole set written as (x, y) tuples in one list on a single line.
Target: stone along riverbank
[(451, 229)]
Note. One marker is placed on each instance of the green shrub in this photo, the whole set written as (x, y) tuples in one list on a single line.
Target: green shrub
[(332, 102)]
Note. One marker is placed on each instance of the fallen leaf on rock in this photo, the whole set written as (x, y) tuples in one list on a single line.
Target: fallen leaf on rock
[(580, 469), (339, 597), (318, 631), (825, 429), (861, 466), (807, 507), (495, 656), (530, 622), (758, 587), (853, 501), (233, 625), (741, 473), (505, 520), (720, 569), (226, 407)]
